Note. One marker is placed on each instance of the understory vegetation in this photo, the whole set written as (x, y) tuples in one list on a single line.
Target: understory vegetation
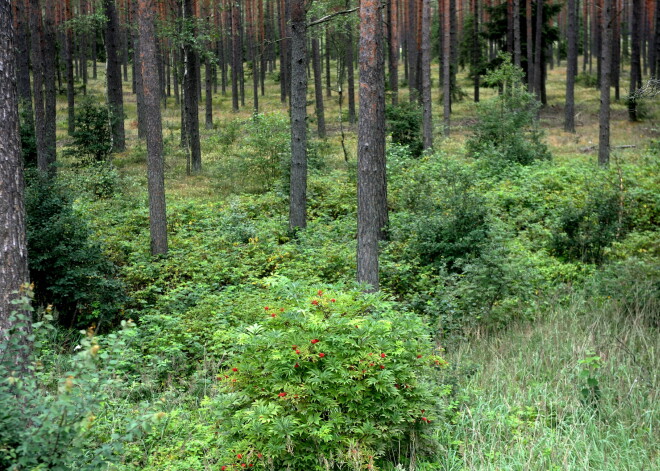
[(516, 328)]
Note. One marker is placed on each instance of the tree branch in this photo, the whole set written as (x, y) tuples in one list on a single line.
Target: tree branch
[(331, 16)]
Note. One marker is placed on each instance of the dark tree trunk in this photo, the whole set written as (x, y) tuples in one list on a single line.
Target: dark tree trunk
[(113, 76), (137, 77), (476, 50), (208, 72), (148, 63), (21, 10), (655, 69), (70, 90), (298, 189), (318, 87), (530, 44), (571, 69), (604, 118), (191, 95), (446, 69), (283, 43), (427, 127), (36, 56), (236, 56), (616, 51), (585, 35), (175, 75), (13, 244), (50, 88), (635, 58), (516, 33), (372, 186), (538, 50), (411, 41), (393, 24), (328, 83), (350, 75)]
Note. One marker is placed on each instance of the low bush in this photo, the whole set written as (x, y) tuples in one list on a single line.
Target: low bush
[(330, 381), (68, 269)]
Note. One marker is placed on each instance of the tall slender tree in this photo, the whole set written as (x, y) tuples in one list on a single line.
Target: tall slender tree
[(393, 23), (13, 244), (446, 68), (606, 70), (427, 120), (191, 91), (372, 185), (635, 56), (148, 62), (298, 187), (318, 87), (113, 76), (571, 69)]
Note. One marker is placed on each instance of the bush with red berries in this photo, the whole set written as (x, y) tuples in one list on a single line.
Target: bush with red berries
[(335, 382)]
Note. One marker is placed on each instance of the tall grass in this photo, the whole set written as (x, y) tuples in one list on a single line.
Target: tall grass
[(523, 408)]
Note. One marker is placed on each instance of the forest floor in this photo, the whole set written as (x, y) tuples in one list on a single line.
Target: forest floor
[(574, 386)]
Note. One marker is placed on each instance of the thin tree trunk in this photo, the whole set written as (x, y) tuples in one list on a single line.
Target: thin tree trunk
[(571, 69), (148, 63), (191, 95), (372, 186), (318, 87), (236, 56), (604, 117), (21, 12), (635, 60), (529, 46), (113, 77), (426, 75), (538, 50), (393, 49), (70, 90), (476, 50), (350, 76), (516, 33), (328, 83), (446, 69), (298, 188), (14, 274)]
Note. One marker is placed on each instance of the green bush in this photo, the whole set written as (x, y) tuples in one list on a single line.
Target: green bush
[(507, 130), (49, 417), (404, 122), (330, 383), (68, 269), (584, 232), (92, 139)]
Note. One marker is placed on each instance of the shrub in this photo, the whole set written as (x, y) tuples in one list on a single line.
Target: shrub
[(507, 130), (584, 232), (48, 418), (28, 137), (329, 384), (68, 269), (404, 121), (92, 139)]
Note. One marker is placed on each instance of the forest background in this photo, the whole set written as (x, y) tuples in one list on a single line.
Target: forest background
[(437, 254)]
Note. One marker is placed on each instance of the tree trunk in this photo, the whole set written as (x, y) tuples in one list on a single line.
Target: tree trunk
[(571, 68), (372, 186), (148, 63), (328, 83), (235, 55), (516, 33), (350, 76), (635, 60), (529, 46), (50, 88), (284, 59), (298, 189), (446, 69), (70, 90), (13, 244), (113, 77), (655, 70), (137, 77), (393, 50), (318, 87), (476, 50), (191, 95), (538, 50), (604, 117), (36, 57), (412, 50), (426, 75)]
